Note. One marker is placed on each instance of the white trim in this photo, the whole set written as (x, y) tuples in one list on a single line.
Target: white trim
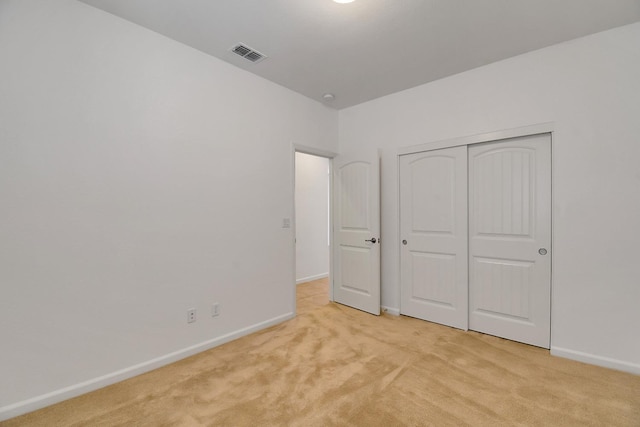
[(331, 249), (399, 238), (479, 138), (390, 310), (313, 151), (56, 396), (333, 253), (593, 359), (312, 278), (292, 177)]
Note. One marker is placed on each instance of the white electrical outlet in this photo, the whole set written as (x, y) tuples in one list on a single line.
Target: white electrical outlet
[(191, 315), (215, 310)]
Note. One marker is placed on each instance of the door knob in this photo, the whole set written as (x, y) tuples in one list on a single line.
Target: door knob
[(542, 251), (372, 240), (404, 242)]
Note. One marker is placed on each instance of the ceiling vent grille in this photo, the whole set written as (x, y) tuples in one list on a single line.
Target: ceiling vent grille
[(248, 53)]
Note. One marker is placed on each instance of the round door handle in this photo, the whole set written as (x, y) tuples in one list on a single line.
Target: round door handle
[(404, 242), (542, 251), (372, 240)]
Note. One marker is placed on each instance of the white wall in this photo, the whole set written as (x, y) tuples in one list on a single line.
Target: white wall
[(590, 89), (138, 178), (312, 217)]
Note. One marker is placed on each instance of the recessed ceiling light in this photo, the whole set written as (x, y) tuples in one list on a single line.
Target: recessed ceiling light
[(343, 1)]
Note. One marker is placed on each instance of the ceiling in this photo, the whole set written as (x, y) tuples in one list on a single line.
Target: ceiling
[(370, 48)]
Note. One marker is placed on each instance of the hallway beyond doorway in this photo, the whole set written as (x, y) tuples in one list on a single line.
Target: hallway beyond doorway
[(312, 295)]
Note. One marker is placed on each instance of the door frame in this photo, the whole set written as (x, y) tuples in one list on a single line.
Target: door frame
[(298, 148), (536, 129)]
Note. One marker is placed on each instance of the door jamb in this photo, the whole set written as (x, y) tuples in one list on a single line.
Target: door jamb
[(298, 148)]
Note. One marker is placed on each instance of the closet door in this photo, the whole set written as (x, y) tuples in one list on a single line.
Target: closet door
[(433, 233), (510, 239)]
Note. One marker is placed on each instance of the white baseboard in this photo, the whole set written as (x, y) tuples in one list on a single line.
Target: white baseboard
[(391, 310), (311, 278), (57, 396), (592, 359)]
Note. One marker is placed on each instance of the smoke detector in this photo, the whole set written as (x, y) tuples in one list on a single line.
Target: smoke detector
[(248, 53)]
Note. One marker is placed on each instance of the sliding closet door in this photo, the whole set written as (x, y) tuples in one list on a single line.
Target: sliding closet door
[(433, 229), (510, 239)]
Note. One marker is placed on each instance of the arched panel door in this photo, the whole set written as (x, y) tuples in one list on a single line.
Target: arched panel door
[(433, 232), (356, 221), (510, 239)]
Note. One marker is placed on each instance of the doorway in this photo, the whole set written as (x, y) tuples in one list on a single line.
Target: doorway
[(354, 224), (312, 198)]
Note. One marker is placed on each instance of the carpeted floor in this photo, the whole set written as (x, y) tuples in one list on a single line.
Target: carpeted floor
[(335, 366), (311, 295)]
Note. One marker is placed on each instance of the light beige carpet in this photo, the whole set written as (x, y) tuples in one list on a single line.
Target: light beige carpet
[(335, 366)]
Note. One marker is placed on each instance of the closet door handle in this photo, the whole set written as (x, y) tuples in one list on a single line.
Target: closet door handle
[(372, 240)]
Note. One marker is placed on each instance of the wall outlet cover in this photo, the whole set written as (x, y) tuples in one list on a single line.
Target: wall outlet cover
[(191, 315)]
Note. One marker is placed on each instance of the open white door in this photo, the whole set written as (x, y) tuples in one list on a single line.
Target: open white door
[(356, 220)]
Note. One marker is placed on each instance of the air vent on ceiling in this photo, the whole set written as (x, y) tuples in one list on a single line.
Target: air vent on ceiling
[(248, 53)]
